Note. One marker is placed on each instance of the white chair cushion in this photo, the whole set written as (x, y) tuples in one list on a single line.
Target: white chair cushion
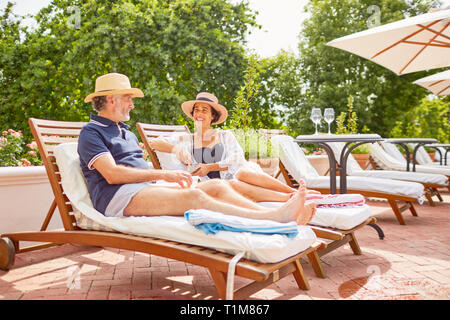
[(293, 158), (353, 168), (344, 218), (404, 188), (387, 162)]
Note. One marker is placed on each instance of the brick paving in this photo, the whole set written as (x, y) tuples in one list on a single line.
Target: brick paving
[(412, 263)]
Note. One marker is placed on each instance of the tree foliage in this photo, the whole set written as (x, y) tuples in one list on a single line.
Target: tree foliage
[(328, 76), (429, 119), (170, 49)]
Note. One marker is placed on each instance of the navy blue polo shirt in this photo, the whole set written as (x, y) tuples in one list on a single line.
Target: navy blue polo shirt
[(97, 138)]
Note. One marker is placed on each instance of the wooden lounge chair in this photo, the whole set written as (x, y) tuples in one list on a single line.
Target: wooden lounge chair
[(48, 134), (151, 131), (392, 198), (337, 236)]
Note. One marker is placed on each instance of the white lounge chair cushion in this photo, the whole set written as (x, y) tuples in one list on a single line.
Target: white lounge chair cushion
[(354, 169), (293, 157), (385, 160), (424, 158), (404, 176), (403, 188), (262, 248), (437, 156), (344, 218)]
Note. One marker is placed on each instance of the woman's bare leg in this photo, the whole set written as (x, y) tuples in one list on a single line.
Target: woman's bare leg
[(157, 201), (263, 180), (257, 194)]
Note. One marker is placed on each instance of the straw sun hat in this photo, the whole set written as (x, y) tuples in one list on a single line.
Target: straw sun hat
[(209, 99), (113, 83)]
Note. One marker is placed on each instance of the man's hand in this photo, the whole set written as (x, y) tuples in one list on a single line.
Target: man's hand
[(183, 178)]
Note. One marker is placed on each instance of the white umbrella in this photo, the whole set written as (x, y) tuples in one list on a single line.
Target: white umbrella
[(413, 44), (438, 83)]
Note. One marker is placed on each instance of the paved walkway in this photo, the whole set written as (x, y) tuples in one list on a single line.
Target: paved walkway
[(413, 262)]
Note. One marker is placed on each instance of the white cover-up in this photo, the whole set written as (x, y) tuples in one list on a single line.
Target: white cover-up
[(261, 248), (354, 169), (299, 167), (390, 158), (232, 157)]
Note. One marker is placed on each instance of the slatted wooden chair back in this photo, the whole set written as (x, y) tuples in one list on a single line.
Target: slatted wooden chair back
[(151, 131), (48, 134)]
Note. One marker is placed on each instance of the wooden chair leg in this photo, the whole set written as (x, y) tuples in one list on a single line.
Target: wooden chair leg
[(316, 264), (397, 212), (438, 194), (299, 276), (50, 212), (428, 195), (412, 209), (354, 244), (220, 281)]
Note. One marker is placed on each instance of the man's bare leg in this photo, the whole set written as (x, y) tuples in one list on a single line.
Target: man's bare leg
[(263, 180), (224, 191), (157, 201)]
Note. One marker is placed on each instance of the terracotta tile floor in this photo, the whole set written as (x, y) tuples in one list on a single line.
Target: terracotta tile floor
[(413, 262)]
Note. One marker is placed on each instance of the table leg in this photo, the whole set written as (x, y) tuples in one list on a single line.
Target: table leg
[(333, 166), (440, 154), (343, 164), (405, 147), (416, 148)]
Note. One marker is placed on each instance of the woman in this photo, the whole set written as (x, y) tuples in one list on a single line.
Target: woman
[(214, 153)]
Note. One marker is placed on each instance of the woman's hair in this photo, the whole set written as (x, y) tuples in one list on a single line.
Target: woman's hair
[(215, 115)]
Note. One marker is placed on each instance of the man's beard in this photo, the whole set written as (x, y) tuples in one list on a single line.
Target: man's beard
[(125, 116)]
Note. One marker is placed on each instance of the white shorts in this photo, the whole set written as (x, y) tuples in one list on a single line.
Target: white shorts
[(123, 197)]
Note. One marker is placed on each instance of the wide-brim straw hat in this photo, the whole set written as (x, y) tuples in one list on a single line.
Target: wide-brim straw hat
[(113, 83), (209, 99)]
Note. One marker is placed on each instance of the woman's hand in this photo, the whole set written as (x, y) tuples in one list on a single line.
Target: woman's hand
[(201, 170), (183, 156)]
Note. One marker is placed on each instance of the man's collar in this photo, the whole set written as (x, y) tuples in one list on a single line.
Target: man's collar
[(105, 122)]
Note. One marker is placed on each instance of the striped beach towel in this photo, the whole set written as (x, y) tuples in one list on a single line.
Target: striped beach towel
[(212, 222), (336, 200)]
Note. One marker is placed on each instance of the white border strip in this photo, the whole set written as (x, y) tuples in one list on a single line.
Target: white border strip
[(95, 158)]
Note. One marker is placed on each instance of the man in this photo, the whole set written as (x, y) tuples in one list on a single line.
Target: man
[(122, 184)]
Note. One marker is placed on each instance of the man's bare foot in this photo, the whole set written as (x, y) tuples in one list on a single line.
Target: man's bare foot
[(295, 209), (309, 210)]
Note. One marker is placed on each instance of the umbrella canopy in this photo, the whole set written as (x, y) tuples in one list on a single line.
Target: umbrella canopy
[(409, 45), (438, 83)]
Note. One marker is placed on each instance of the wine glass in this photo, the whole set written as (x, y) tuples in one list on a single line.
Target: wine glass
[(316, 116), (328, 115)]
